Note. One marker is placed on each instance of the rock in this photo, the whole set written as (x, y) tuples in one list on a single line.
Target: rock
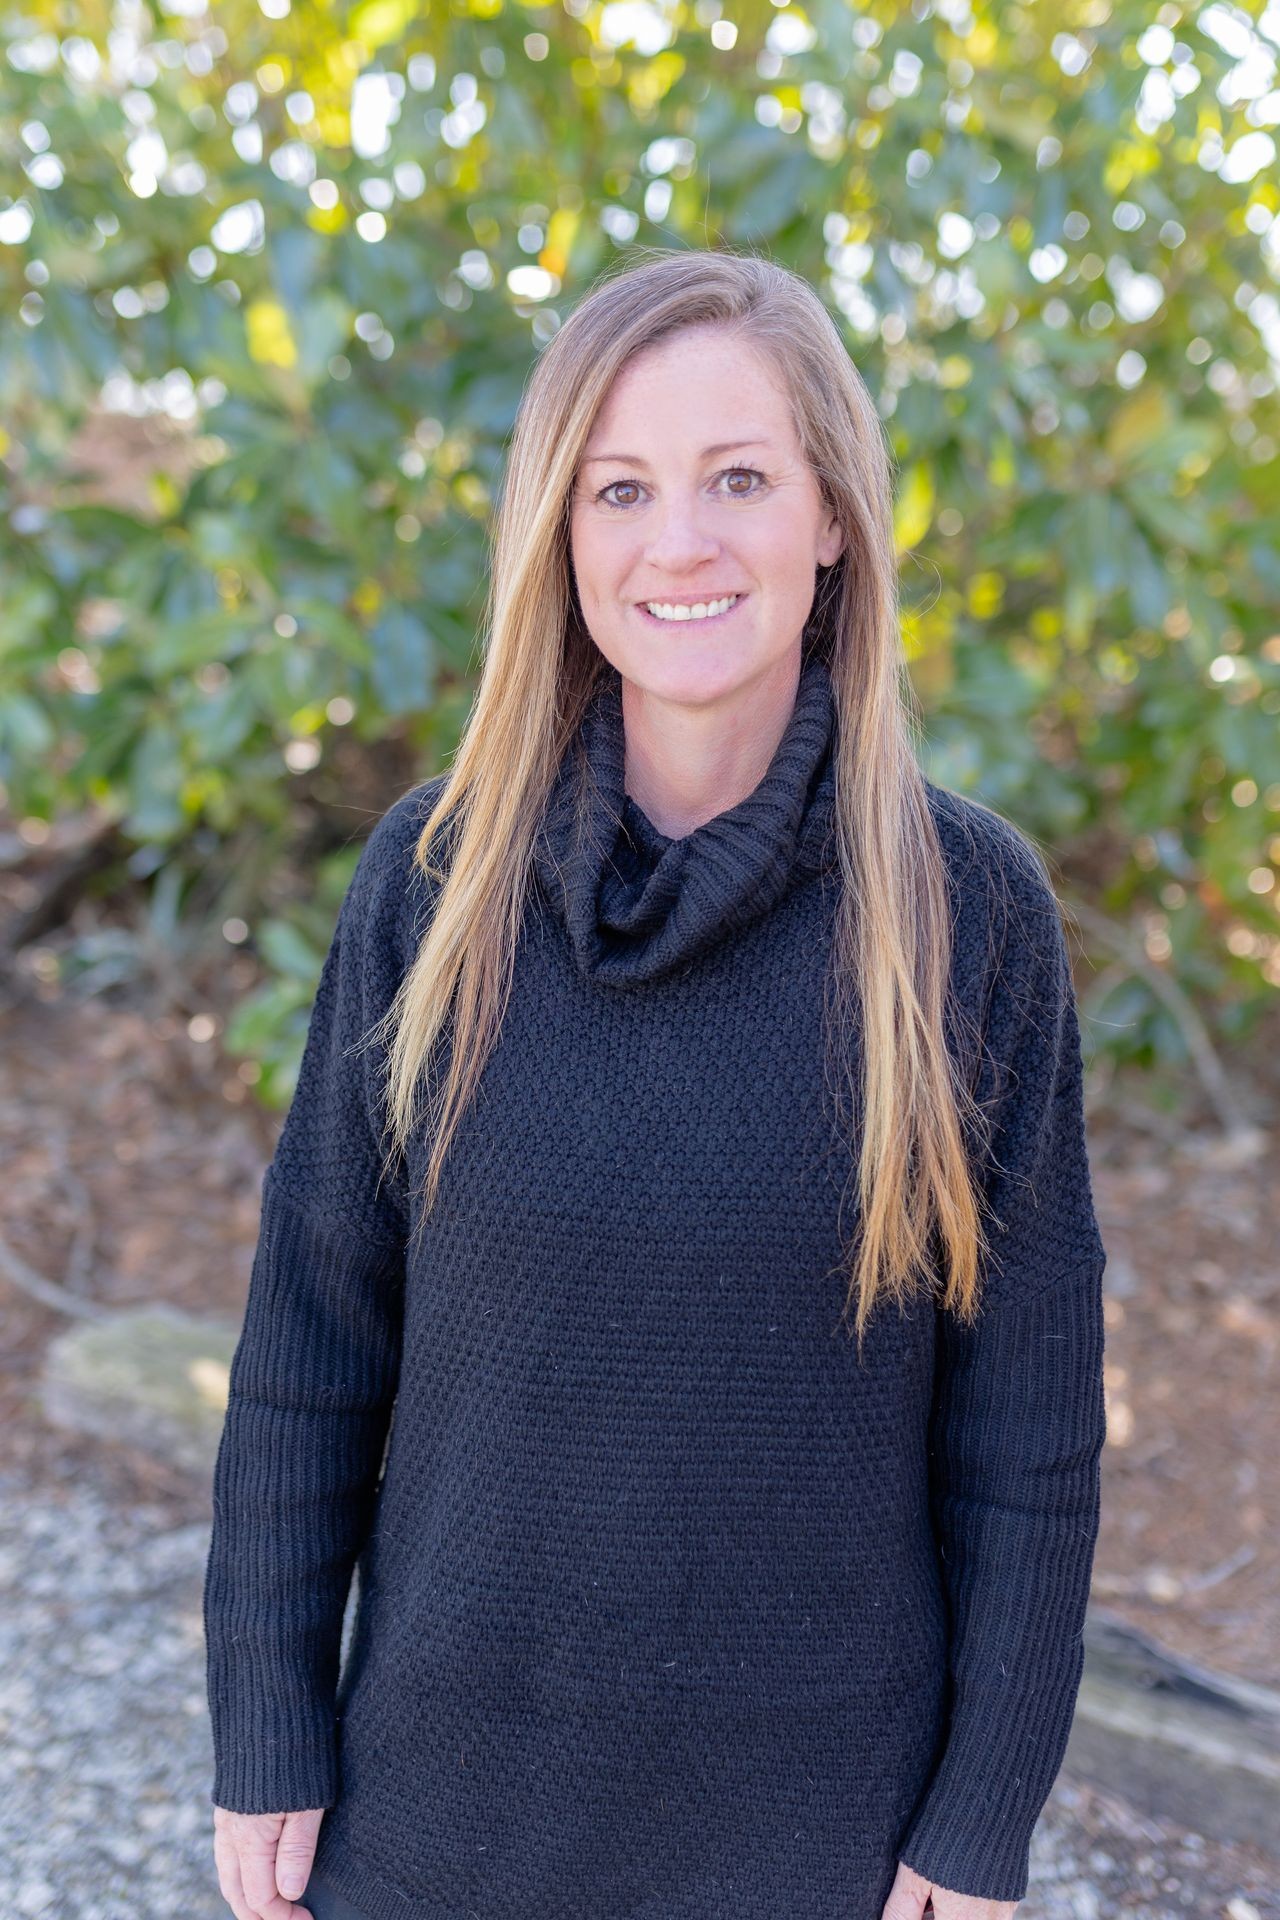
[(151, 1376), (1175, 1739)]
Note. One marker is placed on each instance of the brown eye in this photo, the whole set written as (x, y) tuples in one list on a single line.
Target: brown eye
[(746, 473), (612, 486)]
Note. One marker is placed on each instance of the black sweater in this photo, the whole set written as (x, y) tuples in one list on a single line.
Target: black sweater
[(668, 1609)]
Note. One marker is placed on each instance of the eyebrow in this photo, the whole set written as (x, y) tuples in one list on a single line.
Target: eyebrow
[(638, 460)]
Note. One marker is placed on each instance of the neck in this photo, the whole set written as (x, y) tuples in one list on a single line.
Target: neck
[(686, 763)]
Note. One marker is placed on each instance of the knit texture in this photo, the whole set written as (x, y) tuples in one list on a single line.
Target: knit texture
[(667, 1609)]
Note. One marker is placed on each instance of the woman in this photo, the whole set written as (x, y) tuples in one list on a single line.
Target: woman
[(671, 1604)]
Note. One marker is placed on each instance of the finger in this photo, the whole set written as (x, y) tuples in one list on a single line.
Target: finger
[(295, 1852), (258, 1877), (275, 1907), (908, 1895), (230, 1886)]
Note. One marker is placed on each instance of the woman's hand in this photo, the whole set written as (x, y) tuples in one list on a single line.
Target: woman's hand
[(910, 1894), (264, 1861)]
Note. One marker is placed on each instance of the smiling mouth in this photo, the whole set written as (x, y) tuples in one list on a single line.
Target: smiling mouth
[(673, 612)]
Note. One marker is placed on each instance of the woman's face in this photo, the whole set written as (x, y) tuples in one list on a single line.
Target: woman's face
[(692, 488)]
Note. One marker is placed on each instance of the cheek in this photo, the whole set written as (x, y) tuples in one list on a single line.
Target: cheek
[(781, 558), (597, 579), (593, 560)]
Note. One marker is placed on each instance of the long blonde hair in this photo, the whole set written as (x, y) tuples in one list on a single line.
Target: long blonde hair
[(918, 1208)]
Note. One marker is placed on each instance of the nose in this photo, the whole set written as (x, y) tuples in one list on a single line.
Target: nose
[(679, 537)]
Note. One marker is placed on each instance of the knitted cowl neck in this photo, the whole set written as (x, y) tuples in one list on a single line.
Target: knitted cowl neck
[(638, 904)]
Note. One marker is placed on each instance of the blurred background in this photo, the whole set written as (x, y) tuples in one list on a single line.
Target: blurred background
[(273, 277)]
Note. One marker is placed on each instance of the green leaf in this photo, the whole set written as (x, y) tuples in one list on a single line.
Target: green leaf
[(403, 665)]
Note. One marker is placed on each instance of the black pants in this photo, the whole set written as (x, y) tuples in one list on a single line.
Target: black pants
[(324, 1902)]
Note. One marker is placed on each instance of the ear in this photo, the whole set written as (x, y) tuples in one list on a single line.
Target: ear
[(830, 533), (830, 540)]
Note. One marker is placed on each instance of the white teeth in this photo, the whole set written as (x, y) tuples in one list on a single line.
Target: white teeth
[(703, 610)]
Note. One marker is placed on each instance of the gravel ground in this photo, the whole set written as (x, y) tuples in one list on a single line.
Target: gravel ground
[(105, 1758)]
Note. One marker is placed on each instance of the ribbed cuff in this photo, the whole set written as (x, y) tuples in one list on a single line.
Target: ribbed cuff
[(965, 1850), (252, 1775)]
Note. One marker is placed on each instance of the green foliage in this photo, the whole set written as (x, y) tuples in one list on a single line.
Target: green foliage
[(270, 1024), (294, 271)]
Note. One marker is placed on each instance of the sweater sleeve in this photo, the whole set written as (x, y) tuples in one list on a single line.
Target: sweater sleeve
[(1016, 1434), (313, 1379)]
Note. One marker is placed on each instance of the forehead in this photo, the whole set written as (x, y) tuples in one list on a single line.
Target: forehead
[(700, 393)]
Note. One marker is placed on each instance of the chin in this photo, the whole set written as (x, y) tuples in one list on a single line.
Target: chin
[(691, 679)]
